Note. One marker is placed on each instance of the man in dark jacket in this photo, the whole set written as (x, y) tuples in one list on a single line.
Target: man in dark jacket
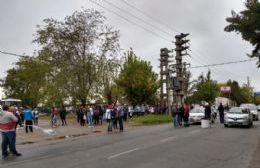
[(63, 114), (174, 112), (207, 111), (221, 113)]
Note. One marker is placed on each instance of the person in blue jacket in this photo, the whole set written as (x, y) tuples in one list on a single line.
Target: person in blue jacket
[(28, 118)]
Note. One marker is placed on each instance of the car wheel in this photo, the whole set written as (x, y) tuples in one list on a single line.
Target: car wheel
[(226, 126)]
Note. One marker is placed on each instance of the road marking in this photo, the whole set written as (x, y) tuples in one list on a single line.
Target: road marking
[(123, 153), (168, 139), (194, 132)]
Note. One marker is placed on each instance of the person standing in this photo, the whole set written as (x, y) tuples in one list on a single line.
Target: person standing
[(96, 115), (180, 114), (120, 118), (54, 116), (186, 115), (221, 113), (109, 119), (114, 114), (101, 113), (207, 111), (7, 129), (13, 110), (174, 113), (28, 118), (35, 116), (81, 114), (90, 116), (21, 114), (125, 110), (63, 114)]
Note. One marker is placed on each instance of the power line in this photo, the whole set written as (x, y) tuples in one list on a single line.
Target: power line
[(126, 19), (149, 16), (13, 54), (140, 19), (224, 63)]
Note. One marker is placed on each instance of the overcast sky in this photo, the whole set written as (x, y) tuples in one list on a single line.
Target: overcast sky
[(203, 19)]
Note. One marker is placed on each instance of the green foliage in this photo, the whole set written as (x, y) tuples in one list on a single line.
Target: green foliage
[(247, 23), (257, 100), (26, 80), (78, 61), (205, 90), (238, 94), (151, 119), (79, 51), (246, 93), (137, 80)]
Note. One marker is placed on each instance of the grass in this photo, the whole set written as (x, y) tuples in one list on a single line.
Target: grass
[(150, 119)]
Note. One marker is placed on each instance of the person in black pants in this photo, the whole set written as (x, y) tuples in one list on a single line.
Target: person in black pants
[(28, 118), (63, 114), (180, 111), (120, 118), (207, 111), (221, 113)]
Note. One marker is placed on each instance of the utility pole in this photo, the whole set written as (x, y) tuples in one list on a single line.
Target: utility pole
[(181, 45), (165, 78)]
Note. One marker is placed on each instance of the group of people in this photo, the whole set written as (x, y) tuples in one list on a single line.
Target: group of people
[(180, 114), (58, 113), (114, 116), (90, 115), (95, 115)]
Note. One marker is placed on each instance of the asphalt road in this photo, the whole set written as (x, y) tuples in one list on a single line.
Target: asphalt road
[(148, 147)]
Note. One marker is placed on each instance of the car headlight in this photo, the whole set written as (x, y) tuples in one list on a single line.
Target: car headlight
[(246, 117)]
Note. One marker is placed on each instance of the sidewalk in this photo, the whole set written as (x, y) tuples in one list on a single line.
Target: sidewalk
[(71, 131)]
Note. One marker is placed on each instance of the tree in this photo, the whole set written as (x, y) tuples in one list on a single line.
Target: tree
[(137, 80), (238, 94), (77, 50), (26, 80), (247, 23), (205, 90), (246, 93)]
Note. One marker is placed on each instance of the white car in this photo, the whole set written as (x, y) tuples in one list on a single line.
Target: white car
[(238, 116), (253, 110), (258, 108), (196, 115)]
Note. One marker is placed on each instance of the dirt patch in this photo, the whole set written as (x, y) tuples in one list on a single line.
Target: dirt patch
[(26, 143)]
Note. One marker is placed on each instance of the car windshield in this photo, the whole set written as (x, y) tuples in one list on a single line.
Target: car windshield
[(238, 110), (249, 106), (252, 108), (197, 110)]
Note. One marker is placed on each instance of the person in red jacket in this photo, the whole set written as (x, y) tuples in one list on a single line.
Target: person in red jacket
[(7, 129), (186, 114)]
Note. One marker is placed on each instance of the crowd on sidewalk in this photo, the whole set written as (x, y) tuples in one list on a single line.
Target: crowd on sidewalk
[(181, 112)]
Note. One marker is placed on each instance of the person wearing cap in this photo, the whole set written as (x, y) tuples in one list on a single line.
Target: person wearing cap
[(7, 129)]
